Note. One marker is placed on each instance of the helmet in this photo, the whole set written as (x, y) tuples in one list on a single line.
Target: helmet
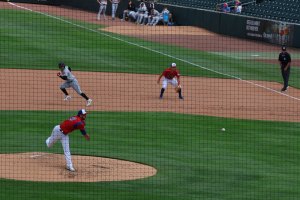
[(173, 65), (283, 48), (81, 112), (61, 64)]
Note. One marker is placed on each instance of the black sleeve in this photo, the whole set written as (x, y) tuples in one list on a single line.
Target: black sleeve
[(64, 77), (70, 69), (279, 57), (289, 58)]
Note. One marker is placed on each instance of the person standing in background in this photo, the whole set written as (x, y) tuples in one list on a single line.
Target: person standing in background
[(114, 7), (102, 8), (284, 60)]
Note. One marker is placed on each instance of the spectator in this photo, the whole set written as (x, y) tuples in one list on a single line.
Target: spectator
[(225, 8), (130, 7), (102, 8), (238, 7)]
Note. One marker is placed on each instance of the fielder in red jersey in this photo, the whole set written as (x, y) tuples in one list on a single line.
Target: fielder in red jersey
[(60, 132), (171, 75)]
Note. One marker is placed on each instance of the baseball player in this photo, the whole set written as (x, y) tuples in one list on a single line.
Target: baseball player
[(114, 7), (284, 60), (60, 132), (169, 75), (141, 13), (153, 18), (102, 8), (70, 81), (130, 8)]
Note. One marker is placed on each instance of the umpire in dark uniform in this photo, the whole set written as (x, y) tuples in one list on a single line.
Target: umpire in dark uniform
[(284, 60)]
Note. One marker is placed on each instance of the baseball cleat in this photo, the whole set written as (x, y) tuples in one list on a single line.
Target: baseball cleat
[(284, 89), (67, 98), (89, 102), (71, 169), (47, 142), (180, 97)]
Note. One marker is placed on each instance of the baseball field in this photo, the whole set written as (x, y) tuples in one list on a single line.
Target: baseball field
[(234, 136)]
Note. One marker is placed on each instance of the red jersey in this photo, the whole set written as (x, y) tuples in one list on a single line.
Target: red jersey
[(170, 73), (71, 124)]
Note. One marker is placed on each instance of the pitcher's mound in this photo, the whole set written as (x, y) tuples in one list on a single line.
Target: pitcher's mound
[(38, 166)]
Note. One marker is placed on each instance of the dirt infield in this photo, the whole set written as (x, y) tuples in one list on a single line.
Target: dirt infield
[(203, 96), (257, 100), (32, 167)]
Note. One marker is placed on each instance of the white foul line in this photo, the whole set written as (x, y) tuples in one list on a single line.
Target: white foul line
[(158, 52)]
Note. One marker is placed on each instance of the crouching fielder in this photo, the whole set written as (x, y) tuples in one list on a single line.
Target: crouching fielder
[(61, 132), (171, 75)]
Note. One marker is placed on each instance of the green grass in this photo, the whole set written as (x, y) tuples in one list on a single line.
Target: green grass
[(34, 41), (194, 159)]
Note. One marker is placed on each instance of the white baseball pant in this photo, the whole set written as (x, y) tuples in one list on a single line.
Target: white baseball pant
[(166, 81), (102, 9), (155, 20), (74, 84), (64, 139), (114, 8), (133, 15)]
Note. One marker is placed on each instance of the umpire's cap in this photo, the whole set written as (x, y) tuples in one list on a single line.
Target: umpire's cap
[(283, 48), (61, 64), (81, 112)]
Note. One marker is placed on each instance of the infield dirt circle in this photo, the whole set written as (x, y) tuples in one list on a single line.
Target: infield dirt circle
[(259, 100), (38, 166)]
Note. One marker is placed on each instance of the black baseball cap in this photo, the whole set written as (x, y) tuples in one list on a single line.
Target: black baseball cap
[(81, 112), (61, 64), (283, 48)]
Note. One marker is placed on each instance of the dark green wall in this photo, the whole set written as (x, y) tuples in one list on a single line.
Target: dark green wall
[(296, 42)]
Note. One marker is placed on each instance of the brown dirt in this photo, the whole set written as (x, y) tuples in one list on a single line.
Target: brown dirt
[(135, 92), (139, 92), (45, 167)]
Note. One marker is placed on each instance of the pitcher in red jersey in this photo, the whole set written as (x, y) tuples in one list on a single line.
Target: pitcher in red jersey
[(61, 132), (171, 75)]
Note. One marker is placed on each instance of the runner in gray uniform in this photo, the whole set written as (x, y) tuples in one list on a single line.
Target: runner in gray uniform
[(70, 81)]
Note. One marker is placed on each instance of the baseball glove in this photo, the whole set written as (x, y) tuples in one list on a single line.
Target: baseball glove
[(178, 88)]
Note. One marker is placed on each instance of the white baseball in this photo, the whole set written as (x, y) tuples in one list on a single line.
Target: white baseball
[(223, 129)]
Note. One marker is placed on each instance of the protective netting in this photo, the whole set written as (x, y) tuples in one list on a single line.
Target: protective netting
[(139, 105)]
